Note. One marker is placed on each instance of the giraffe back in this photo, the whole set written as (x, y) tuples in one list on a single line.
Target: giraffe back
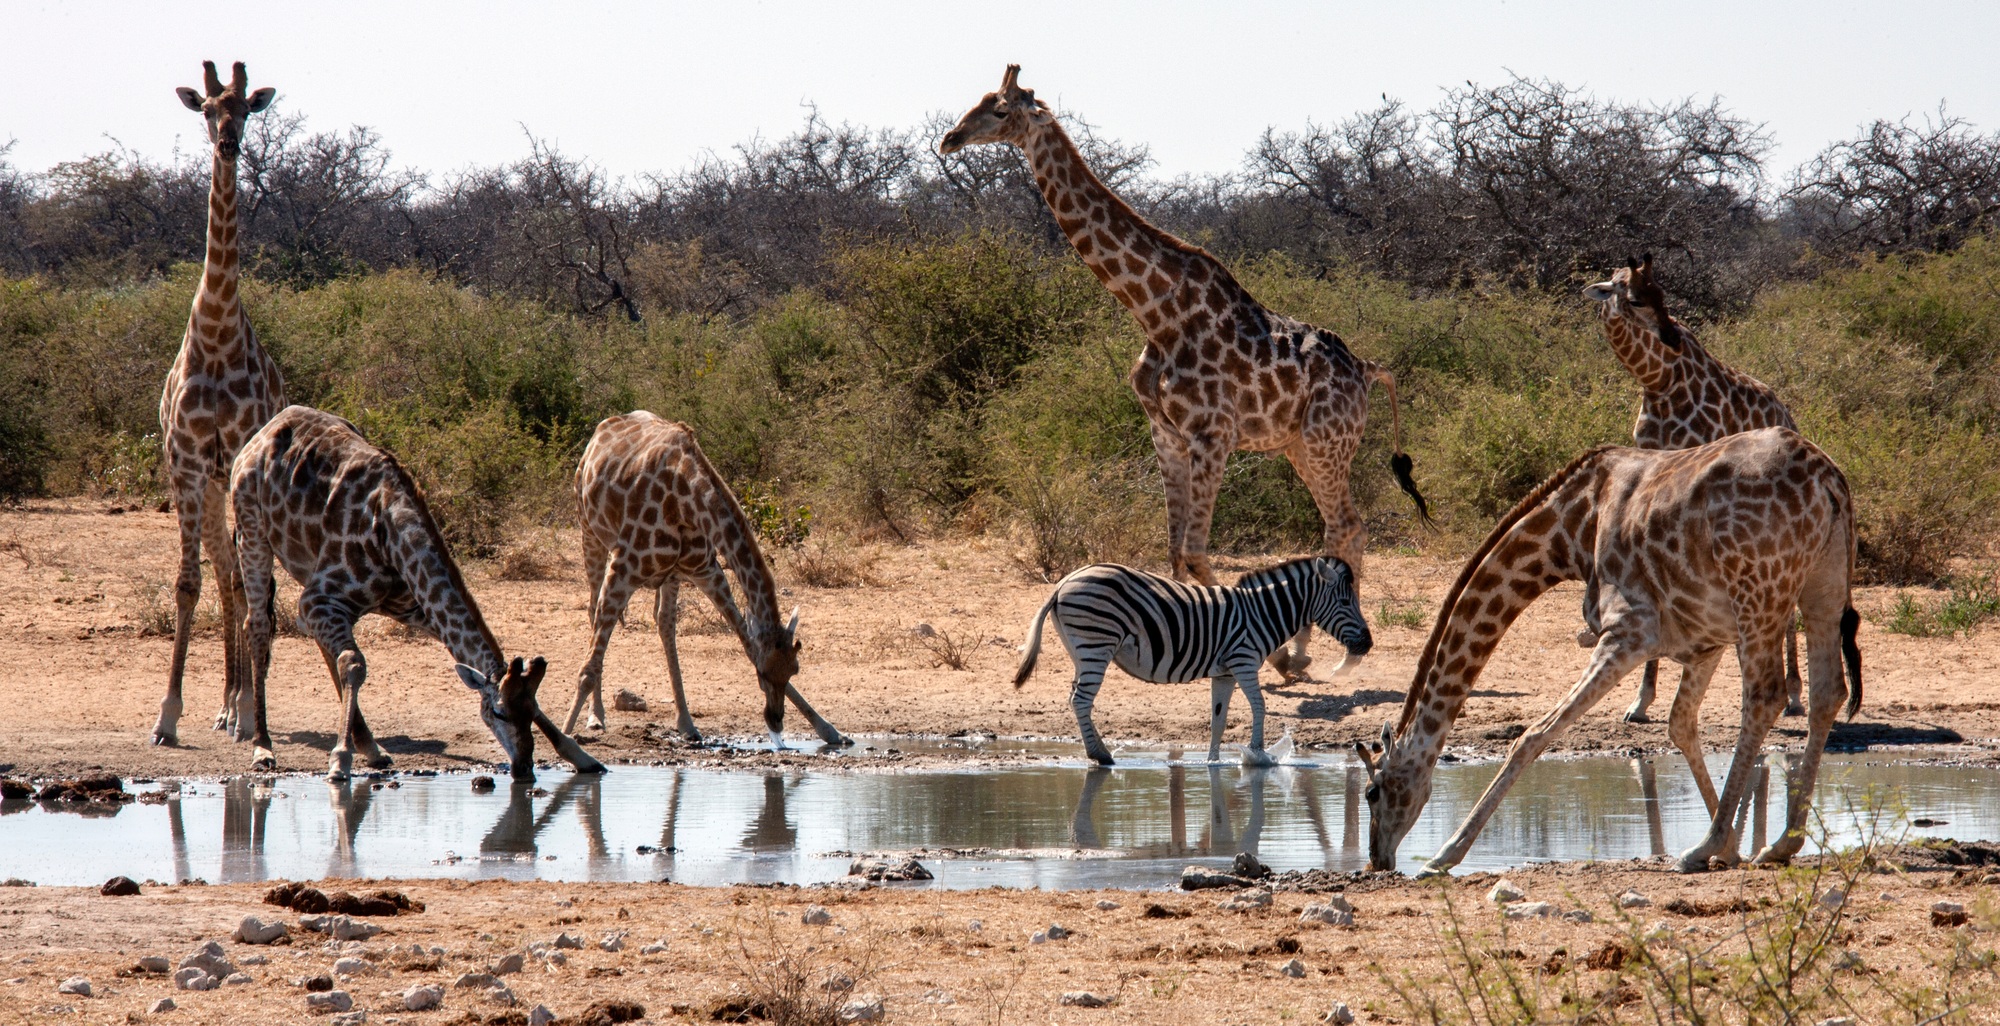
[(645, 490)]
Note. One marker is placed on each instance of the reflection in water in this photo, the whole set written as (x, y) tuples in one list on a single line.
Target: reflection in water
[(717, 826)]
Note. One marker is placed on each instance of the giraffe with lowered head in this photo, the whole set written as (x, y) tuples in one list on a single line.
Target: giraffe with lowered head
[(655, 513), (1690, 398), (1693, 550), (350, 525), (221, 389), (1219, 372)]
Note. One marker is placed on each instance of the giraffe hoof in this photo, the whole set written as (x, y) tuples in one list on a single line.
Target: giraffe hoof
[(1691, 864), (1586, 638), (1432, 871), (1637, 716), (165, 739), (381, 760), (265, 760), (1794, 709)]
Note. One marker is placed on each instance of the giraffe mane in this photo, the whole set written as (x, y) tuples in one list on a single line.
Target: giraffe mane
[(1167, 238), (1419, 683), (396, 472)]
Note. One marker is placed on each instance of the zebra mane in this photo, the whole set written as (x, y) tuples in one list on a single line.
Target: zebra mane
[(1419, 684), (1272, 574)]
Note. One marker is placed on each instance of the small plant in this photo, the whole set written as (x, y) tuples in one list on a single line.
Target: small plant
[(946, 648), (1407, 613), (823, 564), (778, 521), (1971, 602), (790, 982)]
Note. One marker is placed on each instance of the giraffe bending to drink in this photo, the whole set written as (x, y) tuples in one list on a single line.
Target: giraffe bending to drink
[(352, 528), (655, 513), (221, 389), (1690, 398), (1219, 372), (1693, 550)]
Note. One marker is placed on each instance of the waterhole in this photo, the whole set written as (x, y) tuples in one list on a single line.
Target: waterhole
[(1042, 817)]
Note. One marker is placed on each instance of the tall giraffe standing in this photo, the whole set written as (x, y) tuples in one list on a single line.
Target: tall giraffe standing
[(351, 526), (1690, 398), (1219, 372), (222, 388), (655, 513), (1693, 550)]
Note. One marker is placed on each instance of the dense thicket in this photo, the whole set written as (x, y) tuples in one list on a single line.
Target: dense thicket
[(902, 342)]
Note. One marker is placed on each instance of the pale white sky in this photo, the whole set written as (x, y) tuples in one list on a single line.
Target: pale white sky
[(642, 86)]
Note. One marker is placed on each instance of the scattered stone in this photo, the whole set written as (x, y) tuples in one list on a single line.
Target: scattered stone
[(194, 978), (238, 979), (1578, 915), (1528, 910), (1338, 1015), (554, 958), (838, 983), (612, 942), (1202, 878), (866, 1008), (1246, 866), (1833, 898), (654, 949), (1504, 732), (351, 966), (627, 700), (253, 930), (481, 981), (1294, 969), (1947, 907), (509, 964), (605, 1013), (1633, 899), (1948, 913), (154, 964), (342, 928), (1038, 937), (1847, 960), (329, 1001), (209, 958), (1056, 932), (1657, 933), (78, 985), (1085, 999), (1248, 901), (162, 1005), (937, 996), (541, 1016), (255, 960), (1838, 1020), (1106, 905), (16, 790), (570, 941), (422, 998), (976, 926), (502, 996), (1335, 911), (1504, 892), (889, 869), (317, 984), (482, 784), (119, 887), (1158, 911), (300, 898), (354, 1018), (816, 915)]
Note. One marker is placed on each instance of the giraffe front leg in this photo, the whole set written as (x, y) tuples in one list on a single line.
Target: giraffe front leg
[(666, 613), (237, 712), (187, 592), (353, 672), (1792, 682), (1649, 683), (1322, 458), (826, 731), (1829, 690), (613, 591), (1208, 456), (1171, 450), (1684, 726), (254, 563)]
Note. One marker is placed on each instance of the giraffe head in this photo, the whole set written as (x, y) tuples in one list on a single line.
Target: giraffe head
[(1632, 294), (226, 108), (1337, 609), (1003, 115), (1399, 785), (776, 667), (507, 704)]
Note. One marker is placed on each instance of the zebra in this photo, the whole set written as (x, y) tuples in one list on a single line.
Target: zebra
[(1161, 630)]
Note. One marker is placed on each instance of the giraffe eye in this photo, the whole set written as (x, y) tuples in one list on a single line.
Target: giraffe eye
[(1374, 792)]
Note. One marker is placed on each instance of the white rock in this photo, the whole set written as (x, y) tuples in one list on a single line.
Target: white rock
[(1334, 911), (866, 1008), (253, 930), (1528, 910), (1833, 898), (654, 949), (1085, 999), (78, 985), (253, 960), (541, 1016), (1838, 1020), (937, 996), (1578, 915), (1338, 1015), (1633, 899), (238, 979), (816, 915), (354, 1018), (1504, 892), (1106, 905), (838, 983), (612, 942), (1294, 969), (352, 966), (193, 977), (155, 964), (1247, 901), (552, 959), (348, 928), (329, 1001), (475, 981), (569, 940), (209, 958), (509, 963), (422, 998), (975, 926), (627, 700), (1038, 937), (162, 1005)]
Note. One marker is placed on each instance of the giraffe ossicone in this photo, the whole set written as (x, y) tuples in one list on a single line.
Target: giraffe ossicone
[(1219, 372)]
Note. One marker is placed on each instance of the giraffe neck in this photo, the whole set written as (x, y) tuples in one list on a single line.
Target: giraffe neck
[(1640, 350), (217, 310), (1543, 542), (1128, 254), (432, 576), (758, 583)]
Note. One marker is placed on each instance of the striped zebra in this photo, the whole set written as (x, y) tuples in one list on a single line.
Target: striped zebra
[(1161, 630)]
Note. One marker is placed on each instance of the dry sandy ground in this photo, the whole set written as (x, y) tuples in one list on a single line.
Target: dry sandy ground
[(79, 584), (921, 954)]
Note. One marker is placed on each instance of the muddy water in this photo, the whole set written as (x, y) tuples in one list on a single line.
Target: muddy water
[(1052, 822)]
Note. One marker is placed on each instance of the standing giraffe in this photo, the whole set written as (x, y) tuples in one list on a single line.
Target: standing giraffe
[(1693, 550), (1691, 398), (222, 388), (654, 514), (352, 528), (1219, 372)]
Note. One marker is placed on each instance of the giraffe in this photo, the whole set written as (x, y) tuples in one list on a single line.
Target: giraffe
[(1694, 549), (1690, 398), (350, 525), (655, 513), (221, 389), (1218, 372)]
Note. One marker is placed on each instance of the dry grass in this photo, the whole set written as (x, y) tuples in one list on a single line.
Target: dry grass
[(821, 563), (539, 556)]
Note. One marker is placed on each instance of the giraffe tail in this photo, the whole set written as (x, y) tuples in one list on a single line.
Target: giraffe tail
[(1850, 654), (1400, 463), (1032, 649)]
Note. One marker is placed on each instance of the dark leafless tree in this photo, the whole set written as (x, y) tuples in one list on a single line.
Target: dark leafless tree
[(1900, 186)]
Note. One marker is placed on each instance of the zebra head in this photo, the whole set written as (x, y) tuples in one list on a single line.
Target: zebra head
[(1336, 608)]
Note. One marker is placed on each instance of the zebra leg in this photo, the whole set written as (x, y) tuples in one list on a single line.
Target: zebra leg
[(1246, 680), (1082, 695), (1219, 690)]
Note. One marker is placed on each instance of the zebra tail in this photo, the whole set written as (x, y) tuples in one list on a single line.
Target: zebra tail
[(1032, 650)]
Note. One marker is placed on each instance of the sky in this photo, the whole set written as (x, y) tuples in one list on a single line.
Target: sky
[(638, 86)]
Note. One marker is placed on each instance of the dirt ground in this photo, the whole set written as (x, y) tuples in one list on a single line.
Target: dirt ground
[(84, 592)]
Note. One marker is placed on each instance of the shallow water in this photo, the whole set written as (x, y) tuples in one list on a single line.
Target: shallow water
[(1052, 823)]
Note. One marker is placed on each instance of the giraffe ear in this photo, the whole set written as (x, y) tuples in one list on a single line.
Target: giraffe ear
[(792, 627), (262, 98), (189, 98), (1600, 292), (473, 678), (1388, 740)]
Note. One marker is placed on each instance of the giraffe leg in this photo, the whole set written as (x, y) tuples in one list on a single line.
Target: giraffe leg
[(1829, 690), (1792, 682), (1208, 456), (1246, 681), (1683, 722), (1173, 456), (331, 624), (1322, 459), (1649, 682), (236, 713), (188, 500), (1613, 658), (826, 731), (614, 589), (666, 613), (254, 564), (1762, 657)]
